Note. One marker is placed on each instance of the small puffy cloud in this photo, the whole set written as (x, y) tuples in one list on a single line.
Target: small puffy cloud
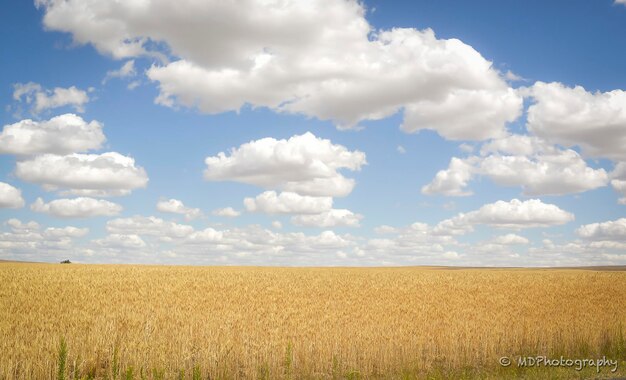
[(451, 205), (148, 225), (30, 238), (62, 134), (330, 218), (510, 239), (227, 212), (91, 192), (175, 206), (517, 160), (558, 173), (121, 241), (451, 181), (620, 185), (325, 240), (66, 232), (418, 239), (277, 225), (401, 149), (385, 229), (127, 70), (270, 202), (133, 85), (538, 167), (258, 245), (467, 148), (208, 235), (304, 164), (27, 240), (40, 99), (622, 2), (514, 214), (575, 117), (19, 227), (84, 174), (10, 197), (512, 77), (614, 230), (618, 180), (317, 58), (450, 255), (77, 208)]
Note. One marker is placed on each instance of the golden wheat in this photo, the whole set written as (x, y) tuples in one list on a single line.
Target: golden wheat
[(249, 322)]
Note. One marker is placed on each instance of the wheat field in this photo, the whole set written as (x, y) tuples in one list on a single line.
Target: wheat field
[(149, 322)]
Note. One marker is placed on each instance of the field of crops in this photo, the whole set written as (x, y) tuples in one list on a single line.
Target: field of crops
[(114, 321)]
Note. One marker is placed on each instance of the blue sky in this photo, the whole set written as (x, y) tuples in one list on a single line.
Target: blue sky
[(375, 133)]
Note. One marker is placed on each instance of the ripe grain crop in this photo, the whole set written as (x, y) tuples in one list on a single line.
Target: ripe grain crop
[(122, 321)]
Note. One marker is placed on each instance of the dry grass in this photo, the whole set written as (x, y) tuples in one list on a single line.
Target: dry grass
[(230, 322)]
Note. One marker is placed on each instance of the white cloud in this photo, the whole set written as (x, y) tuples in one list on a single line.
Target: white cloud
[(40, 99), (303, 164), (91, 192), (450, 205), (148, 225), (330, 218), (614, 230), (121, 241), (450, 255), (177, 207), (208, 235), (27, 241), (620, 185), (277, 225), (451, 181), (255, 244), (467, 148), (401, 149), (512, 77), (62, 134), (517, 160), (227, 212), (77, 208), (149, 239), (28, 229), (618, 180), (622, 2), (514, 214), (108, 173), (562, 172), (510, 239), (579, 253), (10, 197), (19, 227), (466, 114), (575, 117), (69, 232), (127, 70), (385, 229), (515, 145), (419, 240), (133, 85), (538, 167), (317, 58), (452, 227), (270, 202)]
